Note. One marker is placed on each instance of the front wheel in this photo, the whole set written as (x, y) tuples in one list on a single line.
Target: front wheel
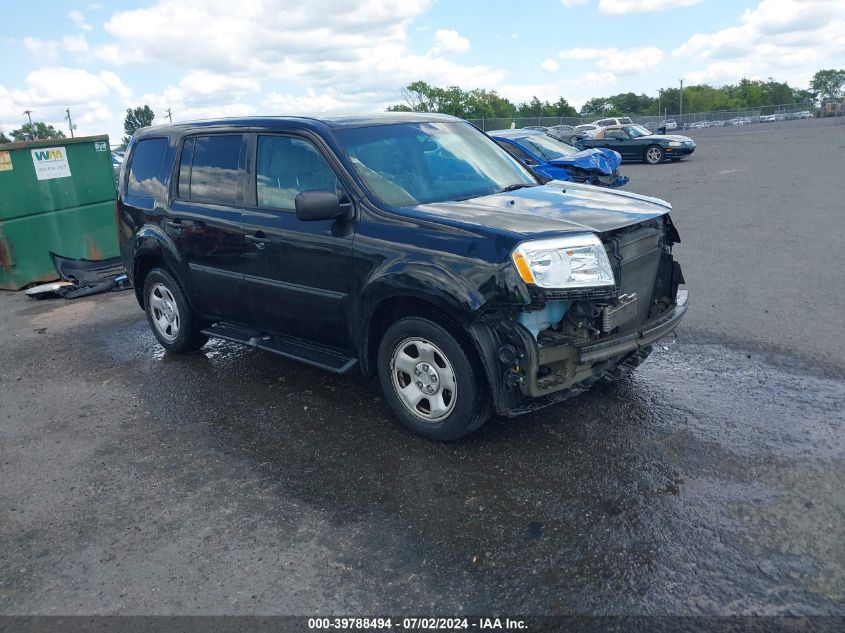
[(653, 154), (430, 381)]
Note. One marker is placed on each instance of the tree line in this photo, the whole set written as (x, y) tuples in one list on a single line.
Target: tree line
[(480, 103)]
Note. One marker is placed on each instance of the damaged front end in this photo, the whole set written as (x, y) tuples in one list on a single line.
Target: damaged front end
[(566, 340), (599, 167)]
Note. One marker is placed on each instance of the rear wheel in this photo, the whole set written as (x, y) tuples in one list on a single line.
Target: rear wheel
[(653, 154), (171, 319), (430, 382)]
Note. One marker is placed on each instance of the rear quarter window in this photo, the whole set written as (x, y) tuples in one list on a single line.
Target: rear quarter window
[(146, 171), (208, 169)]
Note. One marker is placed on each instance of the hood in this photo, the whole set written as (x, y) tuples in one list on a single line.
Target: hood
[(556, 207), (604, 160), (670, 137)]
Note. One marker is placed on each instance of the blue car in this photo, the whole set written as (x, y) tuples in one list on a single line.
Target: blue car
[(560, 161)]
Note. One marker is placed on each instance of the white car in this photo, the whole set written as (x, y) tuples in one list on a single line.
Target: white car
[(669, 124), (588, 128), (613, 121), (768, 118), (805, 114)]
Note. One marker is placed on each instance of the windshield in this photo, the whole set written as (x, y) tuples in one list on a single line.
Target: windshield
[(637, 130), (406, 164), (546, 146)]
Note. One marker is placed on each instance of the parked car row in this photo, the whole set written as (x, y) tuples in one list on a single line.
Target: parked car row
[(407, 246), (612, 137)]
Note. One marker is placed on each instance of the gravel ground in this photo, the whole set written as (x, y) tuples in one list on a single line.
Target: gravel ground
[(232, 481)]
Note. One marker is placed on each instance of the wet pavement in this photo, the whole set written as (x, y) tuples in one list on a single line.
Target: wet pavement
[(233, 481)]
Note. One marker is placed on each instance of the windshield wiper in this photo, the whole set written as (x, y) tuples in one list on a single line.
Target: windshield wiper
[(520, 185)]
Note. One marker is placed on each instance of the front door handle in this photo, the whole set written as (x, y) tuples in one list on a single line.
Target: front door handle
[(260, 240), (176, 225)]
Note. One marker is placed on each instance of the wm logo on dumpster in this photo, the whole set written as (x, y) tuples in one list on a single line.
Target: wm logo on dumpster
[(50, 162), (49, 154)]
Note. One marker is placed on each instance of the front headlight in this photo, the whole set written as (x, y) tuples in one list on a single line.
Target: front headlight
[(573, 261), (675, 143)]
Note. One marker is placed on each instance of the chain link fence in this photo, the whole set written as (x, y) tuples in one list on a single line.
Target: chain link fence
[(687, 120)]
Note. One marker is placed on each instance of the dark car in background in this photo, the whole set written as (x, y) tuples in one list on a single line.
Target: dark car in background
[(405, 246), (559, 161), (636, 143)]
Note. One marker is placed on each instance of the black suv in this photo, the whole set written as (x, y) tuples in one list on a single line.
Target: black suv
[(404, 245)]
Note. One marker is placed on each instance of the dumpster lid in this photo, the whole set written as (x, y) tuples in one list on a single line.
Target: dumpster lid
[(52, 142)]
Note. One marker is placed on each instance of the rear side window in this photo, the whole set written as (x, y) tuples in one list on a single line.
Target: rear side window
[(145, 172), (208, 169)]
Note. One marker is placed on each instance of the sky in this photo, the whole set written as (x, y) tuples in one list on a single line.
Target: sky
[(212, 58)]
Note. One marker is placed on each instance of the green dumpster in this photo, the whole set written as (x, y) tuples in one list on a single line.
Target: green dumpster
[(55, 195)]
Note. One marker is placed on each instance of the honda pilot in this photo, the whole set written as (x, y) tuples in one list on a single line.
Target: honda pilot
[(410, 247)]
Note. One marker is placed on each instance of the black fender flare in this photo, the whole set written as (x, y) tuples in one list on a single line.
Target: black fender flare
[(425, 282), (152, 241)]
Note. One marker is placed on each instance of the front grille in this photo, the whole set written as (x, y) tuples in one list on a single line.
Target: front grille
[(636, 255)]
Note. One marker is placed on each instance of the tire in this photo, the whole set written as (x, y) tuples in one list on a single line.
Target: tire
[(171, 319), (430, 381), (653, 154)]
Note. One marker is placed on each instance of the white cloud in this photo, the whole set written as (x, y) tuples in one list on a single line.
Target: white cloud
[(550, 65), (355, 48), (79, 20), (204, 87), (449, 41), (75, 44), (61, 86), (785, 39), (642, 6), (46, 50), (219, 36), (618, 61), (572, 3)]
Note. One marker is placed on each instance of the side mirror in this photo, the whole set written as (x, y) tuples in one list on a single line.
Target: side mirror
[(317, 204)]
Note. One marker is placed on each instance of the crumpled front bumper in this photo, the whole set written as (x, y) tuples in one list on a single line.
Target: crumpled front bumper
[(581, 362), (513, 375)]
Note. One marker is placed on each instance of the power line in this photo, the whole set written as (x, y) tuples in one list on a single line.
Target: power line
[(69, 122)]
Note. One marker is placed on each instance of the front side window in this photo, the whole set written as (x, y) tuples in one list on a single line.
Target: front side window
[(213, 175), (406, 164), (145, 171), (636, 131), (287, 166)]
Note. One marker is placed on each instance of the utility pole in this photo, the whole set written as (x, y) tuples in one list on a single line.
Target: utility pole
[(659, 94), (69, 122), (681, 113), (169, 116), (28, 113)]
